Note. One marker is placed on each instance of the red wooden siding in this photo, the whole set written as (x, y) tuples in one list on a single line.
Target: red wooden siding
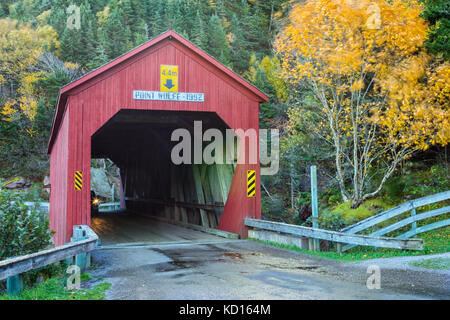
[(59, 182), (93, 101)]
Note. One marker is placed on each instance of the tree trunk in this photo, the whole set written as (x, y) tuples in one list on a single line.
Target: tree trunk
[(356, 203)]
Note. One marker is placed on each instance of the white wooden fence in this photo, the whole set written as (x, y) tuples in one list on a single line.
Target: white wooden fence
[(264, 230), (398, 210)]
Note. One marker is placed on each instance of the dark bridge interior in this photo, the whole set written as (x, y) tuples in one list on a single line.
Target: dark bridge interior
[(139, 143)]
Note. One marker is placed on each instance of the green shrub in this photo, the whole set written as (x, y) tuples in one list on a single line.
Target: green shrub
[(36, 193), (421, 181), (272, 206), (334, 199), (22, 230), (331, 196), (333, 221), (304, 199), (394, 188)]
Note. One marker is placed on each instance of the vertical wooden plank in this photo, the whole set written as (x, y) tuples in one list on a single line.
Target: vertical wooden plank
[(208, 195), (189, 195), (200, 195), (224, 176), (180, 187), (214, 184), (215, 188), (174, 192)]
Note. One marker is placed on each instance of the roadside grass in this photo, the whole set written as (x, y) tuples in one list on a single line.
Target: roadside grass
[(433, 263), (55, 289), (435, 242)]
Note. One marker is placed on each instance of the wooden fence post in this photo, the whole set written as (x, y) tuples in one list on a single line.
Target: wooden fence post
[(314, 205), (414, 224)]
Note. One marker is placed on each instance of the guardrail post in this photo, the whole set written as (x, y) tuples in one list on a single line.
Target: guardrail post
[(82, 260), (310, 244), (14, 285), (339, 248), (414, 224), (314, 205)]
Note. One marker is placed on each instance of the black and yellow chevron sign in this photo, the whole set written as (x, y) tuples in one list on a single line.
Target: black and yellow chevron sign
[(78, 180), (251, 183)]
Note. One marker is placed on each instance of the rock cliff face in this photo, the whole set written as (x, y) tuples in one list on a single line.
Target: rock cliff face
[(104, 184)]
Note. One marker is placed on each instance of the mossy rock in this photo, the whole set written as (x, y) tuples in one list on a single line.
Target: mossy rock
[(364, 211)]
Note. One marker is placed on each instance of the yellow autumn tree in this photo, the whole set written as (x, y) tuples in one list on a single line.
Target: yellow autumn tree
[(363, 62), (418, 111), (20, 48)]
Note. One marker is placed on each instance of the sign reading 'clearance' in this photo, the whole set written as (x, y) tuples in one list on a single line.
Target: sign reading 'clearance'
[(168, 96)]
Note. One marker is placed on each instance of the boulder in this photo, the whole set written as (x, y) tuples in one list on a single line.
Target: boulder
[(18, 184), (100, 183)]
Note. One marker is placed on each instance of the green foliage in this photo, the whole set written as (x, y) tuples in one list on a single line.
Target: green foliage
[(54, 289), (416, 180), (304, 198), (85, 276), (22, 231), (272, 207), (330, 197), (217, 41), (333, 221), (17, 141), (79, 45), (437, 12)]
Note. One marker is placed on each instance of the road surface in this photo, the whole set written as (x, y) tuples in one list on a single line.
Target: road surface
[(240, 269)]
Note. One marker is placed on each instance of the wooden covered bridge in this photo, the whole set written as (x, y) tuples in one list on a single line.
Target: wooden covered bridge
[(126, 111)]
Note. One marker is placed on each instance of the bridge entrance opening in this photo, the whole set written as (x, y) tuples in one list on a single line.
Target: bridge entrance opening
[(159, 197)]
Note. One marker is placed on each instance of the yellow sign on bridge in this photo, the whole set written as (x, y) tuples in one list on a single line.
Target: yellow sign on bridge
[(78, 180), (251, 183), (169, 78)]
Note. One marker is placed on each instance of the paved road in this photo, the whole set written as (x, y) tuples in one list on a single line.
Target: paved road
[(125, 227), (240, 269)]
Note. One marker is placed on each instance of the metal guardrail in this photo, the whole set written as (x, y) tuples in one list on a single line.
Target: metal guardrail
[(42, 206), (411, 205), (109, 206), (83, 241), (45, 206), (335, 236)]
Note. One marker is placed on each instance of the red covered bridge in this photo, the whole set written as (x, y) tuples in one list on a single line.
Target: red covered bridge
[(122, 111)]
